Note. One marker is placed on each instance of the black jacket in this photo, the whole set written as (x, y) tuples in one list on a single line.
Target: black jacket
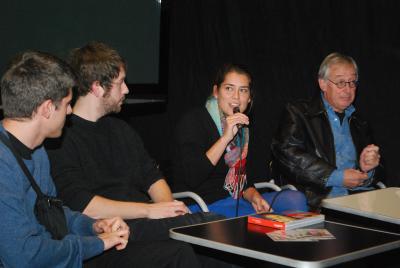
[(304, 150), (194, 135)]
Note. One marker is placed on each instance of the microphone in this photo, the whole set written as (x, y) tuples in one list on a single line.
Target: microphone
[(236, 109)]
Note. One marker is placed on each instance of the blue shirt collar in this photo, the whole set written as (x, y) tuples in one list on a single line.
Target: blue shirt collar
[(348, 111)]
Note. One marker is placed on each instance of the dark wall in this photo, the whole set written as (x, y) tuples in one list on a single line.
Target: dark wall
[(132, 27), (283, 43), (150, 120)]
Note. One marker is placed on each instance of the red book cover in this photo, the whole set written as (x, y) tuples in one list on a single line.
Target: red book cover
[(287, 221)]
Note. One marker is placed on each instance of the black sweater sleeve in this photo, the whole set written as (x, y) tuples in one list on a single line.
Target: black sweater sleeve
[(146, 171), (106, 158), (68, 175), (193, 140)]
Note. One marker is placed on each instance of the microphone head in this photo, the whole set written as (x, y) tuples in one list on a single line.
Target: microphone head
[(236, 110)]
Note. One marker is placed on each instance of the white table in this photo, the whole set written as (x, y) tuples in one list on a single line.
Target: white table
[(382, 204)]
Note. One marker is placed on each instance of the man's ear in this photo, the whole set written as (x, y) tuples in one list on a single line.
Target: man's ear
[(96, 89), (322, 84), (46, 109)]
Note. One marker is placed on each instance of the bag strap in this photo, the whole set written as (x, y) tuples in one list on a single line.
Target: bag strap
[(35, 187)]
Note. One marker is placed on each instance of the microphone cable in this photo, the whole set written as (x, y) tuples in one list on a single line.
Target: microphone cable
[(239, 178)]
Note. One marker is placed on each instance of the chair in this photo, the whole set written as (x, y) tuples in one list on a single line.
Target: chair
[(193, 196), (271, 184), (380, 185), (203, 205), (275, 174)]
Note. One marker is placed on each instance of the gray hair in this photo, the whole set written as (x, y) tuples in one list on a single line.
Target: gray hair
[(335, 58)]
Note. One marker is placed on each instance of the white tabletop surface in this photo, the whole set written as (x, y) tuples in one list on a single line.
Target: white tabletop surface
[(382, 204)]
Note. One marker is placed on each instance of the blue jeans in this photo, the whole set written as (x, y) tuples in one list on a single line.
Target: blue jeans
[(286, 200)]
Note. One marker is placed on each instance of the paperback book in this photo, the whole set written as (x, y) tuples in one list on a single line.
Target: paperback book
[(286, 221), (300, 235)]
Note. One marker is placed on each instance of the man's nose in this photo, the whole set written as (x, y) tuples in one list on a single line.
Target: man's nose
[(347, 88), (125, 89)]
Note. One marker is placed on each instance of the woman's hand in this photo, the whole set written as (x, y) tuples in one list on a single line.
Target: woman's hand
[(260, 205), (231, 125), (257, 201), (230, 130)]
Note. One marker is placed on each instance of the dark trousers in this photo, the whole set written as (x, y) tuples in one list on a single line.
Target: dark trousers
[(158, 229), (169, 254), (150, 246)]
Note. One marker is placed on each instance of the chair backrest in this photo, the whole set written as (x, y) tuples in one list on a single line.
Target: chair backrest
[(271, 185), (193, 196), (380, 185)]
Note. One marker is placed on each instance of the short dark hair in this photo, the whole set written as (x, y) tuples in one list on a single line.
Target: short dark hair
[(95, 62), (228, 68), (31, 78)]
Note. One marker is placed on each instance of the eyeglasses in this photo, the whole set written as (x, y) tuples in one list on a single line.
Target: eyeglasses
[(342, 84)]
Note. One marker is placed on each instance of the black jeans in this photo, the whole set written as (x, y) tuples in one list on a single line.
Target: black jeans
[(168, 254), (158, 229), (149, 246)]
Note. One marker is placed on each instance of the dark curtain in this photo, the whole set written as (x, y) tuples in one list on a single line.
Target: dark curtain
[(283, 42)]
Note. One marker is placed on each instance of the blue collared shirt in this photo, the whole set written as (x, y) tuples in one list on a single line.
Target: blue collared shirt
[(345, 151)]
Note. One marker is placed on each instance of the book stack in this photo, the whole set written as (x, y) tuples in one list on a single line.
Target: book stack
[(286, 221)]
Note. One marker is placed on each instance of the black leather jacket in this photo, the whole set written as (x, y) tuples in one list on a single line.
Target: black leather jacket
[(303, 148)]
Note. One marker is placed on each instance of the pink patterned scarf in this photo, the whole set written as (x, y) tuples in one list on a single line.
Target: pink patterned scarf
[(232, 155)]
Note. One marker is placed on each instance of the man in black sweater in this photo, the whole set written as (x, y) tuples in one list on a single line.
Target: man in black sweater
[(100, 166)]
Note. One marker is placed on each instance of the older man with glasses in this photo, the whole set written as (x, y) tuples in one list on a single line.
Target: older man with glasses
[(322, 146)]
